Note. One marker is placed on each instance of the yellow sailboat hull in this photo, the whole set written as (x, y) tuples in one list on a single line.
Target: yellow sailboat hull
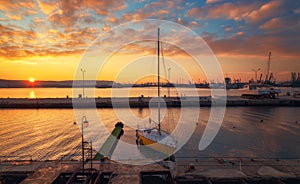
[(162, 148)]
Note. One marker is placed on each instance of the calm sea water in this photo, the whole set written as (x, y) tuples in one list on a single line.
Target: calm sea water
[(50, 133), (114, 92), (98, 92)]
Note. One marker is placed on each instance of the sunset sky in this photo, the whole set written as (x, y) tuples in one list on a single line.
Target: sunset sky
[(46, 39)]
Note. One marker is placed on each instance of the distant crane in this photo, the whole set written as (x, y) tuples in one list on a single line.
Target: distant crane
[(255, 71), (268, 68)]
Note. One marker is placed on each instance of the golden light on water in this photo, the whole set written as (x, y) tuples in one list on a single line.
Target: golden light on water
[(32, 94)]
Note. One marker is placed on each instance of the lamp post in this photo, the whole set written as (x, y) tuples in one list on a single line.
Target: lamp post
[(169, 82), (84, 122), (255, 71), (82, 70), (91, 158)]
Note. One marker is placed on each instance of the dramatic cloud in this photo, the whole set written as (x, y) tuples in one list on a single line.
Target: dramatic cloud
[(281, 23), (66, 27), (69, 13), (266, 11), (156, 9), (15, 11), (48, 7), (255, 45), (112, 19), (211, 1), (238, 11), (106, 28), (252, 12)]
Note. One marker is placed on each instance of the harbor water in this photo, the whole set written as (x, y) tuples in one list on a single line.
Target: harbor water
[(117, 92), (49, 134)]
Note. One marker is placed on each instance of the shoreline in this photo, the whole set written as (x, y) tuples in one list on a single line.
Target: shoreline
[(138, 102)]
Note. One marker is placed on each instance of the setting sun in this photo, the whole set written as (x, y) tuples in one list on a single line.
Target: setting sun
[(31, 79)]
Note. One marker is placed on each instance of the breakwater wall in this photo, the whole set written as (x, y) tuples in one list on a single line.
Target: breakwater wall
[(136, 102)]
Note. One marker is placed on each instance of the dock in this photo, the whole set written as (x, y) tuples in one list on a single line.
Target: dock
[(137, 102), (197, 170)]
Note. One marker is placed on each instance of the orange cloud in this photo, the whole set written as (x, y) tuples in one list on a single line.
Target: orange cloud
[(281, 23), (240, 33), (211, 1), (127, 17), (151, 10), (70, 13), (193, 12), (194, 24), (14, 17), (253, 12), (15, 37), (112, 19), (180, 21), (266, 10), (103, 7), (18, 43), (227, 29), (14, 53), (106, 28), (254, 45), (15, 11), (237, 11), (47, 7)]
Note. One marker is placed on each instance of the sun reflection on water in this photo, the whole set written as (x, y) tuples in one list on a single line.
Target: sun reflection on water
[(32, 94)]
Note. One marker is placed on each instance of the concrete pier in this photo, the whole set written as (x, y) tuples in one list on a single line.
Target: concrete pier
[(199, 170), (135, 102)]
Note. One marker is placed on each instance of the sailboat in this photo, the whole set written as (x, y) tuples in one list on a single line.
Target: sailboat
[(154, 137)]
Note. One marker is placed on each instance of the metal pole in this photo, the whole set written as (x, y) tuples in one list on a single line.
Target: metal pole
[(158, 81), (268, 69), (84, 121), (169, 82), (256, 73), (82, 70), (91, 157), (82, 145)]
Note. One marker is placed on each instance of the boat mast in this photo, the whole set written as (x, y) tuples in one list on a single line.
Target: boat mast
[(158, 81)]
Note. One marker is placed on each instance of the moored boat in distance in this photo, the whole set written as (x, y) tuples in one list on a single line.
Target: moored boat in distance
[(262, 93), (262, 89)]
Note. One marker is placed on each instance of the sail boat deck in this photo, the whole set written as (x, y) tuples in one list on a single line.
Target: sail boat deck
[(162, 138), (161, 142)]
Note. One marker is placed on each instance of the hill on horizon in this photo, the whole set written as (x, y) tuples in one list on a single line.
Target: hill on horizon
[(57, 84)]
